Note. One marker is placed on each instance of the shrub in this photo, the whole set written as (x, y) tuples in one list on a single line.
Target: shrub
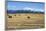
[(10, 17)]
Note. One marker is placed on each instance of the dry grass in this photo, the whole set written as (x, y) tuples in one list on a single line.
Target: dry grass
[(22, 21)]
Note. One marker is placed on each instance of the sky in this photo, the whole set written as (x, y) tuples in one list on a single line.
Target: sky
[(34, 6), (29, 0)]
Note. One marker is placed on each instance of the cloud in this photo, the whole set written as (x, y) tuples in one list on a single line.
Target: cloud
[(40, 10), (27, 8), (33, 9)]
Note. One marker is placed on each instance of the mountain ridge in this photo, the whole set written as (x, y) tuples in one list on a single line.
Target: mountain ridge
[(23, 11)]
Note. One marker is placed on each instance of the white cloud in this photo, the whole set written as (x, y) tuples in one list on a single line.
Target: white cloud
[(40, 10), (27, 8), (33, 9)]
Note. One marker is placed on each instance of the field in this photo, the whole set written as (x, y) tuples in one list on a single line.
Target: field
[(25, 21)]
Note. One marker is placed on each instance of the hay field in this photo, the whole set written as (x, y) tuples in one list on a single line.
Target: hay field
[(25, 21)]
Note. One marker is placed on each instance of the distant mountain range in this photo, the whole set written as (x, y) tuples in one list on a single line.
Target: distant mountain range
[(23, 11)]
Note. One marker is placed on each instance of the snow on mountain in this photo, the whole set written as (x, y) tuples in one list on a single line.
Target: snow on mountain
[(32, 9), (28, 9)]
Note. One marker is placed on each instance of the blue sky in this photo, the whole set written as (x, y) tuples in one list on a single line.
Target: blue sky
[(37, 6)]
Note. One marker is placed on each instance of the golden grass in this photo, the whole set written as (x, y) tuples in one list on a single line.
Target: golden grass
[(21, 21)]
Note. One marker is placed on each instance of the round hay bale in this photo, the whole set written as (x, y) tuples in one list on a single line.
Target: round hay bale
[(10, 17), (28, 17)]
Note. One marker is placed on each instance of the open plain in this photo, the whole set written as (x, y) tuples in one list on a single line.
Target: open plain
[(25, 21)]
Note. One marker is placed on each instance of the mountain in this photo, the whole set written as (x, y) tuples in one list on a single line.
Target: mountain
[(23, 11)]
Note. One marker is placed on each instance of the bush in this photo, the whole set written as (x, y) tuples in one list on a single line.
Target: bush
[(10, 17), (28, 17)]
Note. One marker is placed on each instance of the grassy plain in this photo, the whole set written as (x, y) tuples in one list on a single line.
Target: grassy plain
[(23, 21)]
